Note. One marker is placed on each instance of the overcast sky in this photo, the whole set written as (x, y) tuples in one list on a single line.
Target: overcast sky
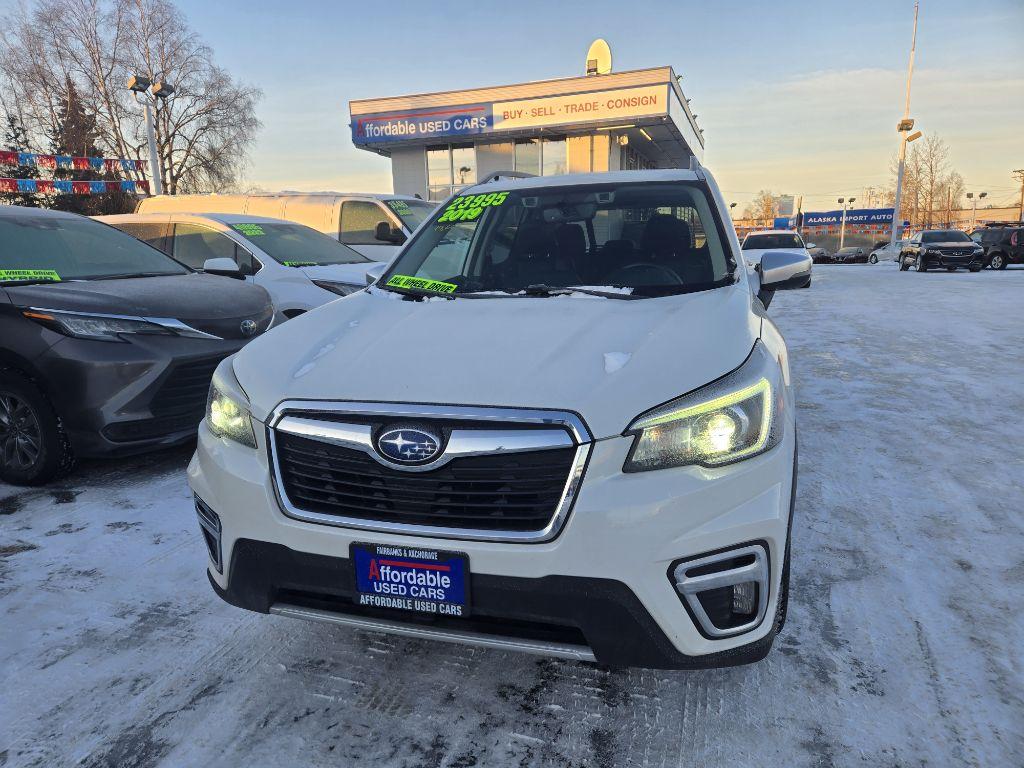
[(798, 97)]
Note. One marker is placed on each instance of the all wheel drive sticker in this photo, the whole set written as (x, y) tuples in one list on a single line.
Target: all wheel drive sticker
[(410, 579), (29, 274)]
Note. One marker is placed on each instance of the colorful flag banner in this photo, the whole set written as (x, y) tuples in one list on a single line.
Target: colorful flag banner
[(34, 160), (68, 187)]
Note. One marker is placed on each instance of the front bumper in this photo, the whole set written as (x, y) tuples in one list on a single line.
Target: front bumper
[(940, 260), (602, 584), (128, 397)]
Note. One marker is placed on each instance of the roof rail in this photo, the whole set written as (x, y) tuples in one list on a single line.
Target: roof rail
[(499, 175)]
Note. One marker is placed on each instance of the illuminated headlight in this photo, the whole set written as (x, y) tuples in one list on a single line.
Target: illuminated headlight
[(736, 417), (227, 411), (342, 289)]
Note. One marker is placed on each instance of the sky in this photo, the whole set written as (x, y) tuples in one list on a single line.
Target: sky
[(796, 97)]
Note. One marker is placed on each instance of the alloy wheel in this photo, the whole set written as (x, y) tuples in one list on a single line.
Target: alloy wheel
[(997, 262), (20, 434)]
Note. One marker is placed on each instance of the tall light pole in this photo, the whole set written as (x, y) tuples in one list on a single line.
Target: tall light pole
[(138, 84), (842, 227), (904, 127), (974, 212)]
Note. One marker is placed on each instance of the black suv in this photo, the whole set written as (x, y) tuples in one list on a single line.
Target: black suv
[(948, 249), (107, 346), (1003, 244)]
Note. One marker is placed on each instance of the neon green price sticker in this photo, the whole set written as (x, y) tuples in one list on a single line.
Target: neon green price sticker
[(249, 230), (29, 274), (405, 281), (299, 263), (470, 207)]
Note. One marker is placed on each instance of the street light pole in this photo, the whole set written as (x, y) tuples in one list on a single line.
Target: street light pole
[(906, 125), (842, 227), (974, 200), (139, 84)]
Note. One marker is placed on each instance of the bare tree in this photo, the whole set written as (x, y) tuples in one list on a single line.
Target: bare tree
[(764, 207), (204, 132)]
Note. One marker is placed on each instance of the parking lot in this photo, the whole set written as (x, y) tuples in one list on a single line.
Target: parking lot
[(902, 647)]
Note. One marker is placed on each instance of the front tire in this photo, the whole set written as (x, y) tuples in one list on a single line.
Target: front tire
[(903, 265), (872, 259), (33, 446), (921, 264), (998, 261)]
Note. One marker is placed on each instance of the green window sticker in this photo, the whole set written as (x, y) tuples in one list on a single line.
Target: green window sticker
[(470, 207), (299, 263), (405, 281), (29, 274), (249, 230)]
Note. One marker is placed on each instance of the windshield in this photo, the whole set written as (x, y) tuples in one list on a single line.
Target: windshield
[(627, 239), (769, 242), (945, 236), (411, 212), (848, 250), (295, 245), (37, 248)]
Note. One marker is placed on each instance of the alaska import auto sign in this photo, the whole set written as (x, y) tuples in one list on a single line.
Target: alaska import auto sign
[(867, 216)]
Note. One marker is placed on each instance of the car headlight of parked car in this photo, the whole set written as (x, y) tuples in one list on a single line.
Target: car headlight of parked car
[(734, 418), (342, 289), (100, 327), (227, 407)]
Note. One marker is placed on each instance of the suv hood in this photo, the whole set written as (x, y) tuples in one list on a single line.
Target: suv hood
[(606, 359), (186, 297)]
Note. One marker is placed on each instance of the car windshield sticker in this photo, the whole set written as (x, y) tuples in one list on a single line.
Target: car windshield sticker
[(405, 281), (249, 230), (29, 274), (299, 263), (470, 207), (399, 206)]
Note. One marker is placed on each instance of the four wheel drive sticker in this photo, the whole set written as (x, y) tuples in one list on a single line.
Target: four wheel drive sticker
[(299, 263), (405, 281), (29, 274), (249, 230), (470, 207)]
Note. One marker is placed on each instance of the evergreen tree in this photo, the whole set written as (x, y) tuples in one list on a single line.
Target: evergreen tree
[(16, 140)]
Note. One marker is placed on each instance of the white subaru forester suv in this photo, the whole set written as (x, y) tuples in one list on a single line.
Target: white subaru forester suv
[(560, 422)]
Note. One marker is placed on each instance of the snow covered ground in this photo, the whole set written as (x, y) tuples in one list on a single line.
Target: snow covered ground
[(903, 645)]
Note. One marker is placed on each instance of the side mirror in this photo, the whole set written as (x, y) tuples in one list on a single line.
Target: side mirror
[(373, 273), (223, 266), (782, 271), (810, 245), (388, 234)]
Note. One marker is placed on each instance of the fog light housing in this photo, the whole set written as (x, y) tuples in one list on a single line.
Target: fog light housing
[(209, 526), (726, 593)]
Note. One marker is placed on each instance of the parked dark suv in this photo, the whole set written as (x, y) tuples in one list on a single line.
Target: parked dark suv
[(1003, 244), (107, 346), (948, 249)]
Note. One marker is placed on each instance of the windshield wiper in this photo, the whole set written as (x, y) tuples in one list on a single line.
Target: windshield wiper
[(28, 281), (129, 275), (540, 290)]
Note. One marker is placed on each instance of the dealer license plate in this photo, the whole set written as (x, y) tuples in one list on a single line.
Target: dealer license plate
[(411, 579)]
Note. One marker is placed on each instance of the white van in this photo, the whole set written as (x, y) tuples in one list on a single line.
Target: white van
[(374, 225)]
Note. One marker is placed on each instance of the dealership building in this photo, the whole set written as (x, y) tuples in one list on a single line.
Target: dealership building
[(439, 142)]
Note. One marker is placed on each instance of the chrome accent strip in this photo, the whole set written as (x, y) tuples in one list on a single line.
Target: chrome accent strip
[(461, 442), (286, 416), (476, 639), (690, 586), (565, 419)]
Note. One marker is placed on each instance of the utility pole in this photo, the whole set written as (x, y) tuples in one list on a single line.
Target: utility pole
[(1020, 175), (842, 226), (906, 125)]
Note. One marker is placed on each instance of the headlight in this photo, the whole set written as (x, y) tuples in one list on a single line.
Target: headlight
[(736, 417), (100, 327), (342, 289), (227, 411)]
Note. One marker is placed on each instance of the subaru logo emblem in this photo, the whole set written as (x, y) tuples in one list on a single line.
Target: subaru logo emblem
[(248, 327), (408, 445)]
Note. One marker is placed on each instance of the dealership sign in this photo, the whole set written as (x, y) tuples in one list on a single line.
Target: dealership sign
[(421, 124), (474, 119), (867, 216)]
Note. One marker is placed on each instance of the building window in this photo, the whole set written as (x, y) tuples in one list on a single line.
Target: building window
[(528, 156), (545, 157), (448, 169)]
